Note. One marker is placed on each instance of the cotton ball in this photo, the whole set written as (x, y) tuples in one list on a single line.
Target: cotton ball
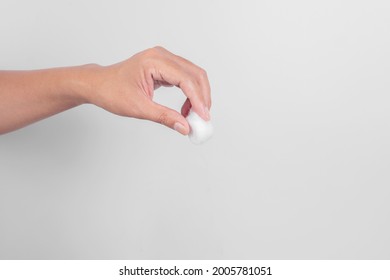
[(200, 130)]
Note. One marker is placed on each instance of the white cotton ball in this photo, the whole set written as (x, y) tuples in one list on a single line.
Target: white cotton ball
[(200, 130)]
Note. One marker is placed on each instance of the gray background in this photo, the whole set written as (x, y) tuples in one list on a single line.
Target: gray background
[(299, 164)]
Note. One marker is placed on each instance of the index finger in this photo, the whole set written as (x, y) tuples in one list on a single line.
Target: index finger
[(199, 73), (191, 79)]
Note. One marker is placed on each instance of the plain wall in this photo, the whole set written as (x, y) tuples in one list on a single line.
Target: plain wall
[(298, 166)]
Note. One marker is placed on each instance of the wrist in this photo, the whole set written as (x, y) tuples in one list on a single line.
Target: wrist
[(81, 82)]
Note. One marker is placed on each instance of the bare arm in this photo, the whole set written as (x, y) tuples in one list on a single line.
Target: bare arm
[(125, 89)]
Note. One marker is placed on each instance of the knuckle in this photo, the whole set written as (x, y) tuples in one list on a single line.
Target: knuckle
[(202, 74), (158, 48), (189, 85), (152, 53), (149, 57), (163, 118)]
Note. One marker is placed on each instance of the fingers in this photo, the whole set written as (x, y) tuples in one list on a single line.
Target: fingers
[(185, 109), (158, 84), (192, 80), (165, 68), (201, 75), (168, 117)]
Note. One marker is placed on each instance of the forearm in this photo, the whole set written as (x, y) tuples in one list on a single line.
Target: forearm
[(29, 96)]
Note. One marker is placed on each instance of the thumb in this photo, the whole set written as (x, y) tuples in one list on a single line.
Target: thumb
[(168, 117)]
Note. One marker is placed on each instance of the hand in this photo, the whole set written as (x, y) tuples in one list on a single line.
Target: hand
[(127, 88)]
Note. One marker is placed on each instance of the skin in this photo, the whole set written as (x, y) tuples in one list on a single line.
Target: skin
[(125, 89)]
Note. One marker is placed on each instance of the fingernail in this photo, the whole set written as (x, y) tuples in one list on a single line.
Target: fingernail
[(207, 113), (179, 128)]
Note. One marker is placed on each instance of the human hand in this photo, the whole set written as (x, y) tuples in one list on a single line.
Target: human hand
[(127, 88)]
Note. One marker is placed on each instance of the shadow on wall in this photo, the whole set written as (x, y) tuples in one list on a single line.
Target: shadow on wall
[(60, 138)]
